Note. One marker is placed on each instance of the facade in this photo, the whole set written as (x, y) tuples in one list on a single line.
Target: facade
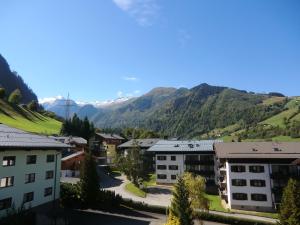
[(30, 169), (173, 158), (70, 165), (252, 175), (105, 147)]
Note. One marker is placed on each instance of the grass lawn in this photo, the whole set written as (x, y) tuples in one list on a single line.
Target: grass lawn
[(130, 187), (215, 205), (151, 181), (27, 120)]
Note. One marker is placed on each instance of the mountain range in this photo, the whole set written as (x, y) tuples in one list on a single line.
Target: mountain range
[(183, 112)]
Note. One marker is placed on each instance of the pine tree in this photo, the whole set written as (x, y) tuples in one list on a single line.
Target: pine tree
[(290, 204), (181, 205), (89, 181)]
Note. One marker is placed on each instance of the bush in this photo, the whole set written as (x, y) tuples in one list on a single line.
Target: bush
[(108, 200), (70, 195), (228, 220)]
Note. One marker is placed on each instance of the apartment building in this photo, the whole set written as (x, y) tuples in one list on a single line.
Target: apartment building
[(173, 158), (252, 175), (29, 169)]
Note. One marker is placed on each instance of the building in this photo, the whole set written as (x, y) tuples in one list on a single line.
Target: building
[(105, 147), (70, 165), (173, 158), (77, 144), (252, 175), (144, 145), (30, 169)]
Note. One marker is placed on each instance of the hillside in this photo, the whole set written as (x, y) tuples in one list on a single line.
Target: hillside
[(27, 120), (10, 80)]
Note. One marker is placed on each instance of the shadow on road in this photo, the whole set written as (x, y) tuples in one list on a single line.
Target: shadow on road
[(107, 181), (158, 190)]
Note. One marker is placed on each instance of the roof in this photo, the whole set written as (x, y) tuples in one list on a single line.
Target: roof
[(110, 136), (263, 150), (18, 139), (183, 146), (143, 143), (70, 139), (72, 156)]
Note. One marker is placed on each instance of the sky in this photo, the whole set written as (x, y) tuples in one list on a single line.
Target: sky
[(105, 49)]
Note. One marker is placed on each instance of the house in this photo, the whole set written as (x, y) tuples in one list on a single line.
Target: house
[(252, 175), (30, 169), (105, 147), (70, 165), (173, 158), (76, 144), (143, 145)]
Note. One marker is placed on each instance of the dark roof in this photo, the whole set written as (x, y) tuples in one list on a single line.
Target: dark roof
[(259, 150), (70, 139), (72, 156), (110, 136), (12, 138), (143, 143), (183, 146)]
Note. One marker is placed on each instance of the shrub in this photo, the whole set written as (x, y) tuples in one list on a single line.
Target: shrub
[(70, 195)]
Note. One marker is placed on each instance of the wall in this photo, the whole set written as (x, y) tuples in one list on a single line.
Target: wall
[(21, 168)]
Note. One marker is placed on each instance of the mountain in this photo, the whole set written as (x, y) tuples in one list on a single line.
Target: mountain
[(11, 80)]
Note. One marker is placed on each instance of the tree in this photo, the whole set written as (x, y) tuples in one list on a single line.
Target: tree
[(89, 181), (15, 97), (33, 105), (181, 205), (289, 213), (2, 93), (196, 188)]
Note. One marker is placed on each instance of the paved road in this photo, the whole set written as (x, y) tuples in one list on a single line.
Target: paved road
[(160, 195)]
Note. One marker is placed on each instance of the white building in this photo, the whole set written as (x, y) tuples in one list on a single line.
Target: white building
[(173, 158), (29, 169), (252, 175)]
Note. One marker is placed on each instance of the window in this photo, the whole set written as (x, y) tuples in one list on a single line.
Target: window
[(173, 167), (161, 176), (9, 161), (48, 191), (28, 197), (259, 197), (258, 183), (239, 196), (239, 182), (161, 157), (31, 159), (173, 158), (256, 169), (173, 177), (5, 203), (238, 169), (50, 158), (29, 178), (6, 182), (161, 167), (49, 174)]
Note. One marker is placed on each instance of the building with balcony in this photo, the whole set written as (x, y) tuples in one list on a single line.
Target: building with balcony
[(30, 169), (173, 158), (252, 175)]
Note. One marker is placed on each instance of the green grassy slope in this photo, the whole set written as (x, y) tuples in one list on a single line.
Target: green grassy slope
[(27, 120)]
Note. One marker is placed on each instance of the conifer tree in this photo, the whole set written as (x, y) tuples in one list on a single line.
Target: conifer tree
[(89, 181), (181, 205), (289, 213)]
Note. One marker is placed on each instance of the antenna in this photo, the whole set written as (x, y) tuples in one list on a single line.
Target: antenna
[(68, 104)]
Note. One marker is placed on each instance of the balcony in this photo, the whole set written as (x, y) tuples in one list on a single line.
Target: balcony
[(199, 162), (284, 176), (203, 172)]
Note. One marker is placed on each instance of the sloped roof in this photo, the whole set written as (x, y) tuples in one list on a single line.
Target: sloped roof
[(262, 150), (70, 139), (143, 143), (183, 146), (110, 136), (12, 138), (72, 156)]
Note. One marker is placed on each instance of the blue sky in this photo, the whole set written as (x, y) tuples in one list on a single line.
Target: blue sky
[(99, 50)]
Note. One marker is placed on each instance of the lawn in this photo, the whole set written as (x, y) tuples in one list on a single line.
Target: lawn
[(130, 187), (151, 181), (27, 120)]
